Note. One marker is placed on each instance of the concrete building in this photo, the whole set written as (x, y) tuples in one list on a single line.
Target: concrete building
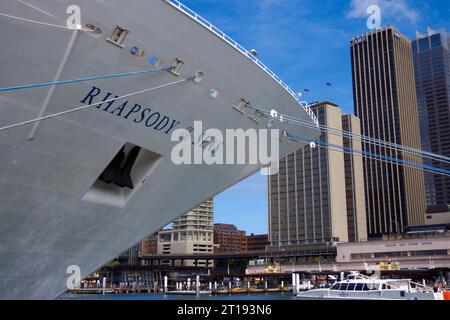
[(414, 247), (385, 102), (438, 215), (257, 242), (314, 199), (190, 234), (227, 238), (432, 74)]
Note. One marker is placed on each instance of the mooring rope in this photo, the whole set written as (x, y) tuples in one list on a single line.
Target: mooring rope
[(393, 147), (42, 23), (116, 75), (371, 155)]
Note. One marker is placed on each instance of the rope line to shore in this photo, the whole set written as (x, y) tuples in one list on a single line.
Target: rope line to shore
[(393, 147), (373, 156), (42, 23), (116, 75)]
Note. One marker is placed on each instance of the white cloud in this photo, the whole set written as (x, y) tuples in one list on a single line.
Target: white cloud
[(390, 9)]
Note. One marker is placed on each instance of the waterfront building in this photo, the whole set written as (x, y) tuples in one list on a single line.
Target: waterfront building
[(257, 242), (419, 242), (190, 234), (227, 238), (385, 102), (314, 199), (432, 74)]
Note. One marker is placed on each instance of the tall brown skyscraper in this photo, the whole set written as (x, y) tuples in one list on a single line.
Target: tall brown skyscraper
[(385, 101)]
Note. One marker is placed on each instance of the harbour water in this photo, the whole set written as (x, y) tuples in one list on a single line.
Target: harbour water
[(256, 297)]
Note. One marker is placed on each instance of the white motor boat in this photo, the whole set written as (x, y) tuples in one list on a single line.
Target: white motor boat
[(359, 287)]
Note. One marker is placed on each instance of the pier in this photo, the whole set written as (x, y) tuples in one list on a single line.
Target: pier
[(125, 279)]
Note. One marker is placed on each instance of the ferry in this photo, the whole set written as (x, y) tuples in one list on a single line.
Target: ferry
[(359, 287), (91, 92)]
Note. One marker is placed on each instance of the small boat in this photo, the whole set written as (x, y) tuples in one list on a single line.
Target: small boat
[(359, 287)]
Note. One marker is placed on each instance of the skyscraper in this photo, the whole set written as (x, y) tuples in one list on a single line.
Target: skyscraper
[(432, 73), (385, 101), (308, 199)]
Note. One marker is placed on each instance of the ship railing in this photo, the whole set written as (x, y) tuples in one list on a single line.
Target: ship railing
[(421, 287), (208, 25)]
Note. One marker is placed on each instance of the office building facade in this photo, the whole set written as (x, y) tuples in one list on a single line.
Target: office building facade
[(385, 102), (432, 74), (257, 242), (227, 238), (308, 197)]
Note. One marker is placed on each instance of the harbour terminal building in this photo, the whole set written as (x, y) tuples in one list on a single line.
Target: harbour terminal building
[(430, 244), (419, 248)]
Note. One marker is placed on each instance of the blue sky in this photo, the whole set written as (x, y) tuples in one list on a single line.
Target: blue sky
[(306, 42)]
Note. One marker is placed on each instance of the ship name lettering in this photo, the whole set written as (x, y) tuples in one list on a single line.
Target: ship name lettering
[(130, 111)]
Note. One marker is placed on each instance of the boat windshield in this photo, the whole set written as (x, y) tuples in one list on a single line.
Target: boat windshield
[(335, 286), (355, 286)]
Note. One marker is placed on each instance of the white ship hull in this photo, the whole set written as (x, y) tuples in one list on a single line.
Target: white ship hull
[(48, 219)]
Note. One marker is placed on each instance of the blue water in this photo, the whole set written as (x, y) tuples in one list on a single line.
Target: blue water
[(151, 296)]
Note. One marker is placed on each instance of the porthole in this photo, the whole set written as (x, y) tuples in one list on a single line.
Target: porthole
[(134, 51), (155, 61), (198, 76)]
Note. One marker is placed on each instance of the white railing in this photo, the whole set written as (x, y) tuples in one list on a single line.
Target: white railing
[(205, 23)]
